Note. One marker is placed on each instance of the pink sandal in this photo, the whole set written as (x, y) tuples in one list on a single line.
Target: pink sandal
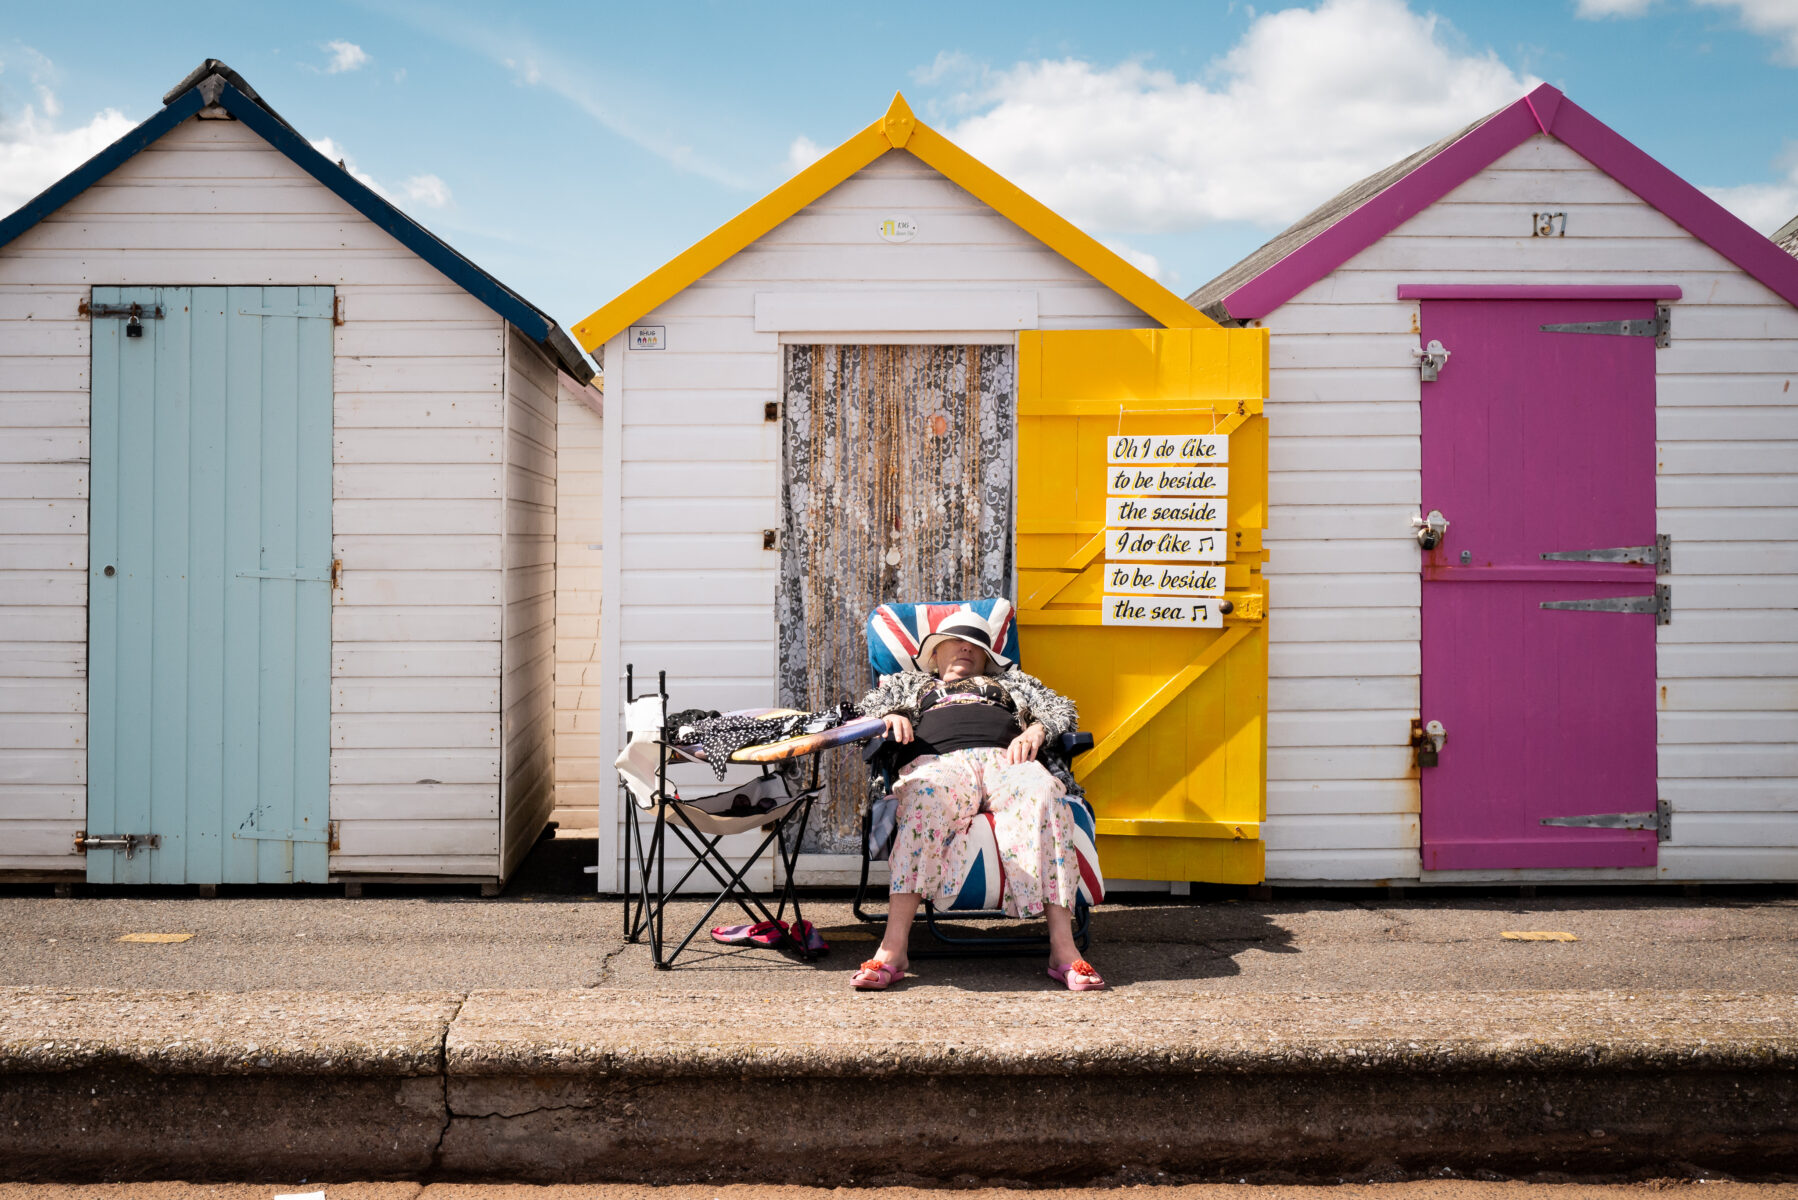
[(880, 976), (1079, 976)]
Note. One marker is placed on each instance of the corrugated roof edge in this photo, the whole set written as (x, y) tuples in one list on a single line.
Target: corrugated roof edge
[(215, 83)]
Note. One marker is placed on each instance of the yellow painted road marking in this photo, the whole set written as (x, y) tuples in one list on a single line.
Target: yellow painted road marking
[(158, 938), (1515, 936)]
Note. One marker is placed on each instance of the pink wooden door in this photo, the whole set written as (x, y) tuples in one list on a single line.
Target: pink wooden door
[(1537, 442)]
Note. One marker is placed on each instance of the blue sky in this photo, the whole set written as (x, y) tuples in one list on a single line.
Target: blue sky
[(572, 148)]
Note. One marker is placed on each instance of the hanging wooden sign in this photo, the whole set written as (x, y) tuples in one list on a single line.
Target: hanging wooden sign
[(1172, 449), (1126, 480), (1155, 512), (1155, 610), (1165, 545), (1154, 579)]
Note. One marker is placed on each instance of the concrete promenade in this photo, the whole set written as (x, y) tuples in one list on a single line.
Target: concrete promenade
[(433, 1035)]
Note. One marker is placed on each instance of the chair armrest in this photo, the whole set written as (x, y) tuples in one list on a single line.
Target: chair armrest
[(1075, 743)]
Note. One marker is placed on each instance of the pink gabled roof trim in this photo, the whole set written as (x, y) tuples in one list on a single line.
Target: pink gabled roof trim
[(1545, 109)]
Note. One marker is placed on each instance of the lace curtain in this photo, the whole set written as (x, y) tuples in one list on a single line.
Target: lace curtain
[(896, 485)]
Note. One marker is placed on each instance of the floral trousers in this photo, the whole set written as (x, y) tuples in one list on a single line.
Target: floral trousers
[(939, 798)]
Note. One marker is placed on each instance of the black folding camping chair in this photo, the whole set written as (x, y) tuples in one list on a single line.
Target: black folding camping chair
[(773, 803)]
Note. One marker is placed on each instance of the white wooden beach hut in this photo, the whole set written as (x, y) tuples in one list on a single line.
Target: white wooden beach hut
[(828, 390), (1787, 236), (1620, 360), (277, 522)]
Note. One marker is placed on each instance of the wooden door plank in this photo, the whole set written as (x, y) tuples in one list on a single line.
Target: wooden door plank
[(209, 583), (1157, 700), (102, 604), (166, 774)]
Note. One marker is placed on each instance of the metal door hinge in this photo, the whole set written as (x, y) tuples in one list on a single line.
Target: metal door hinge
[(1660, 603), (770, 539), (1660, 820), (1659, 327), (1430, 360), (1659, 556), (128, 842)]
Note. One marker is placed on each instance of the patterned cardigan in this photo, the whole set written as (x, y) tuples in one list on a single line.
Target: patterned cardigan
[(1035, 700)]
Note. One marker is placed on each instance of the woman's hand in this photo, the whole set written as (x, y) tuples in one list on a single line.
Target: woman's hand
[(898, 728), (1026, 745)]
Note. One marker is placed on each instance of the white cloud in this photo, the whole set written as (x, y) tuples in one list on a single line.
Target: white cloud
[(564, 72), (35, 148), (1765, 206), (331, 150), (1309, 101), (1777, 19), (802, 154), (345, 56), (1597, 10), (428, 190)]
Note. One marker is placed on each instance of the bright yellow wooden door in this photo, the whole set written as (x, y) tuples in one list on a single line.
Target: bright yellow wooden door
[(1178, 775)]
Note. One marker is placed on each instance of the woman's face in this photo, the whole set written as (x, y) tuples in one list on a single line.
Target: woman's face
[(956, 659)]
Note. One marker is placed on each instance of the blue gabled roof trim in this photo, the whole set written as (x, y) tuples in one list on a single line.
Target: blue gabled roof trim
[(100, 165), (509, 305)]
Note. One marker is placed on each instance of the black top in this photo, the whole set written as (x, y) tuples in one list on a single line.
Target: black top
[(964, 715)]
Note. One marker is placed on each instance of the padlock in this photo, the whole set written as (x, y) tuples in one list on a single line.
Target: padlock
[(1427, 754), (134, 327)]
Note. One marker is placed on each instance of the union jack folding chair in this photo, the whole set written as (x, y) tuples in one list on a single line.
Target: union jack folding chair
[(895, 634)]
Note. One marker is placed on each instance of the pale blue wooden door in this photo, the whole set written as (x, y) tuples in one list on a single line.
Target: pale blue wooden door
[(209, 593)]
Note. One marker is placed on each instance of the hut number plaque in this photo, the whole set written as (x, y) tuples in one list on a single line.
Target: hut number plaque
[(1166, 513)]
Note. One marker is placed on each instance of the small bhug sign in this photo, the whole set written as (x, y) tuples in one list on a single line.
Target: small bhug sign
[(1165, 510)]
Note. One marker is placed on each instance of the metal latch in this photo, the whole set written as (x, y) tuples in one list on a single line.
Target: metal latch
[(1659, 327), (1427, 741), (1430, 529), (1660, 603), (1659, 556), (1430, 359), (1660, 820), (128, 842), (134, 314)]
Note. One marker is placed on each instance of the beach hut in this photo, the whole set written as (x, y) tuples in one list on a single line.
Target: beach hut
[(1534, 519), (277, 520), (898, 377), (1787, 236)]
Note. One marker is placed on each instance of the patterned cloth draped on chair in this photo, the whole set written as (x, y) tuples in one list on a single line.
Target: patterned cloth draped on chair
[(896, 481)]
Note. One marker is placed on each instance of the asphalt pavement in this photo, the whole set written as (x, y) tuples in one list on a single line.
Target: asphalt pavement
[(1434, 1189), (546, 931)]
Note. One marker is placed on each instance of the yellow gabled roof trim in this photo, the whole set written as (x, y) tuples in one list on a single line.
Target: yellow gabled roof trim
[(898, 128)]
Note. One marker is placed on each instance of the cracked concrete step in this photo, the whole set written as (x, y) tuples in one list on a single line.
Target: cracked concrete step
[(546, 1085)]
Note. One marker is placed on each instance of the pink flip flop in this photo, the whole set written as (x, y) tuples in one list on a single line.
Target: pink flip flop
[(762, 933), (807, 935), (1079, 976), (884, 975)]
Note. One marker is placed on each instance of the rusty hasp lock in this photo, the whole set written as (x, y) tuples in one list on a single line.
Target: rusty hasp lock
[(134, 315), (1427, 741)]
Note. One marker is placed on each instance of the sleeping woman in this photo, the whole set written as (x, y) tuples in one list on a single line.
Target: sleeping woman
[(972, 725)]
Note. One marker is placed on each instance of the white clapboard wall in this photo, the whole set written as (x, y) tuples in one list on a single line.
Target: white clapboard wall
[(1344, 461), (443, 488), (689, 588), (580, 471)]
